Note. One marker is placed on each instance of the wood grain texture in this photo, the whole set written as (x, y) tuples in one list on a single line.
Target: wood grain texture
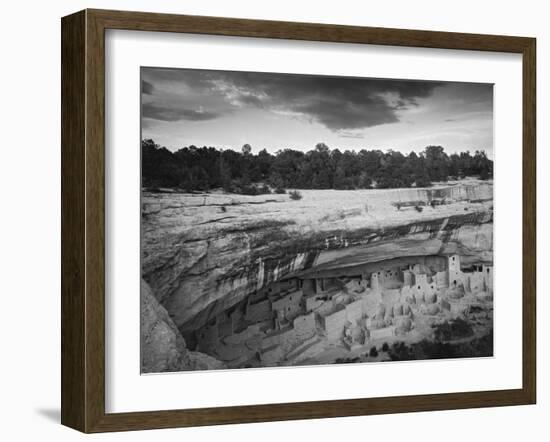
[(73, 257), (95, 221), (143, 21), (83, 220), (529, 221)]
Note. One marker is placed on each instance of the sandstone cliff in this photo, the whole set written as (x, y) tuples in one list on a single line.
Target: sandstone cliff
[(162, 346), (204, 253)]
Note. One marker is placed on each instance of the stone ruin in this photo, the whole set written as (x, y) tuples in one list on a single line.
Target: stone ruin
[(295, 319)]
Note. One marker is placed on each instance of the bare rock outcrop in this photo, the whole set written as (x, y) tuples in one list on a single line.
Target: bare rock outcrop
[(163, 348)]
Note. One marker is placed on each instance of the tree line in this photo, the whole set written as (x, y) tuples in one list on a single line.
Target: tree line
[(204, 168)]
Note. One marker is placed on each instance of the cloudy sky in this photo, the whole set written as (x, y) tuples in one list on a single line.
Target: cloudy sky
[(227, 109)]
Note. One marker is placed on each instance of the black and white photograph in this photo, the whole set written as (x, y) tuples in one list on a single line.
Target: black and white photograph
[(255, 221), (299, 220)]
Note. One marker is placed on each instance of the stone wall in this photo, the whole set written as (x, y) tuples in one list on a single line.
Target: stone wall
[(355, 311), (334, 324), (304, 326), (313, 302), (476, 281), (442, 279), (259, 311), (382, 333), (488, 272)]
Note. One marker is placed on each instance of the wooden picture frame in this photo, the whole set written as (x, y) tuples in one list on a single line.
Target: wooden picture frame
[(83, 220)]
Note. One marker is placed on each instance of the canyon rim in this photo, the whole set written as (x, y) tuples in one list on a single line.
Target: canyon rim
[(263, 246)]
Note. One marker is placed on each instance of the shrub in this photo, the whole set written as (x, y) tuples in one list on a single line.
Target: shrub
[(295, 195), (280, 190), (455, 329), (443, 332), (373, 352), (423, 182), (385, 347), (418, 208), (401, 352), (461, 328), (249, 189), (223, 209), (264, 189), (346, 360)]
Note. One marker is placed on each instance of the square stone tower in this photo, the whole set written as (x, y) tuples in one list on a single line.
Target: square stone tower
[(374, 281), (455, 274), (488, 276), (407, 278)]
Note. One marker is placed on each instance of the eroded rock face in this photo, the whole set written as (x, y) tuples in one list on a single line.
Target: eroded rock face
[(204, 253), (163, 348)]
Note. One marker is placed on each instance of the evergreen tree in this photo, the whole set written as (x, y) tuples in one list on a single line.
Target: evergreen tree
[(201, 169)]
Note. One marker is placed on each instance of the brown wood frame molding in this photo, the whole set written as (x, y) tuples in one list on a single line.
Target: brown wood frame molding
[(83, 218)]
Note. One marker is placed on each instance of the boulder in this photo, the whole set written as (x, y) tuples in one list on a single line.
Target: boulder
[(163, 348)]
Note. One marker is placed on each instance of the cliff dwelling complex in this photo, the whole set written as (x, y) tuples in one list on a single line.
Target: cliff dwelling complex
[(295, 320)]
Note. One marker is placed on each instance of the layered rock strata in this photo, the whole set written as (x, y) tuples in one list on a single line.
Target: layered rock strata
[(203, 253)]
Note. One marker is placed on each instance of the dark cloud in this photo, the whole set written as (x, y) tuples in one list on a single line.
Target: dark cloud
[(146, 87), (343, 114), (163, 113), (338, 103)]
